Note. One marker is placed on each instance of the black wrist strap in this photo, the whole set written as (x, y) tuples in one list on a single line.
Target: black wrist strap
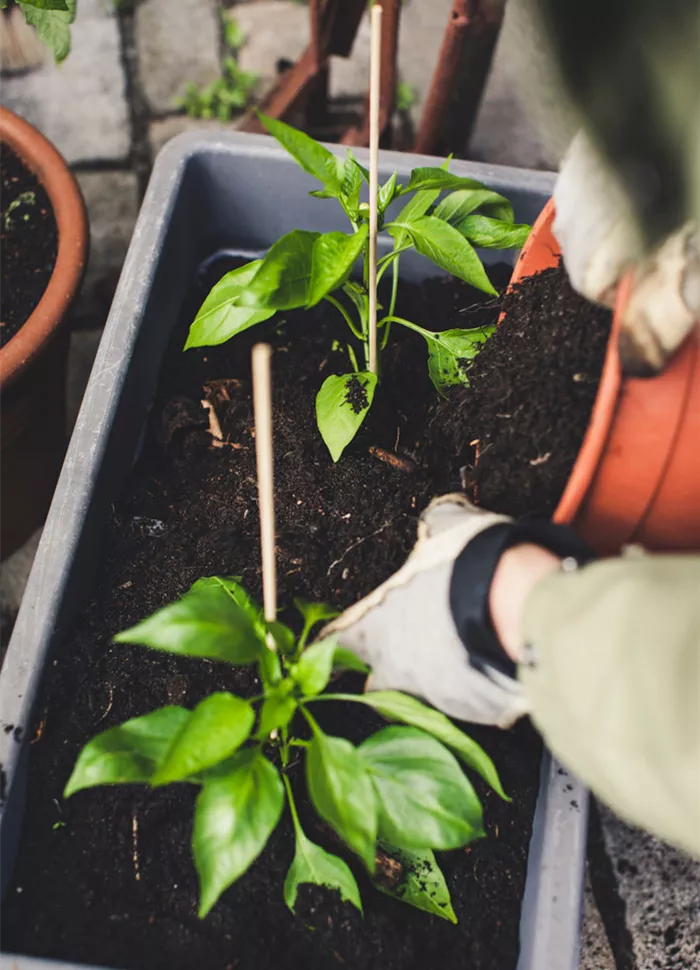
[(473, 573)]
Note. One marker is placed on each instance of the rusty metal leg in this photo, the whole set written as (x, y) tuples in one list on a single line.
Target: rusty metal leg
[(459, 78), (304, 86)]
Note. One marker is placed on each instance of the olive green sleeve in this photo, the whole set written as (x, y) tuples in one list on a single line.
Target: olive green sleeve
[(615, 685)]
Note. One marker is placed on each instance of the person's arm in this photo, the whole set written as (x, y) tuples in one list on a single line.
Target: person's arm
[(614, 681), (608, 656)]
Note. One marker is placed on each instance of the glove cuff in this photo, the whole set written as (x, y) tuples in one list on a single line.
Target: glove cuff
[(473, 573)]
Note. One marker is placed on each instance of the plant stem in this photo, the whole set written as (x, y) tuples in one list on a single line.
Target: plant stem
[(346, 316), (390, 318), (353, 358), (392, 303), (298, 743), (292, 804), (284, 748), (356, 698)]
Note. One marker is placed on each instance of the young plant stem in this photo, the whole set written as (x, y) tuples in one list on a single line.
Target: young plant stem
[(262, 406), (374, 75), (353, 358), (389, 318), (346, 316), (392, 302), (292, 804)]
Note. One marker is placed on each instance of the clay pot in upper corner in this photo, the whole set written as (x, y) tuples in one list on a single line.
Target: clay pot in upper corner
[(33, 363), (637, 475)]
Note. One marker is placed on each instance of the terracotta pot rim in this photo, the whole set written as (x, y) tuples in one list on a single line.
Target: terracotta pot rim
[(53, 173), (600, 421)]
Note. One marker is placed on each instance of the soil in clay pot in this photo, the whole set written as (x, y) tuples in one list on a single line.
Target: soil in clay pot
[(530, 395), (107, 877), (28, 243)]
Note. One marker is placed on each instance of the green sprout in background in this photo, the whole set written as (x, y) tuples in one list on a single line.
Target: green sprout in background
[(229, 94), (402, 791), (303, 268)]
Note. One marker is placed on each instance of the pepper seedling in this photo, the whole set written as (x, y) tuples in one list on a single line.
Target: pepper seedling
[(402, 790), (303, 268)]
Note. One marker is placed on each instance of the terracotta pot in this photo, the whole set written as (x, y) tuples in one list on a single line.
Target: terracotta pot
[(33, 363), (637, 475)]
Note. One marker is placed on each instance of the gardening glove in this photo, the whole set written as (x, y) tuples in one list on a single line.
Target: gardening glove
[(596, 229), (427, 630)]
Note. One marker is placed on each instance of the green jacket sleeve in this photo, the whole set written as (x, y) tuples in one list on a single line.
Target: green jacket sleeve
[(614, 685)]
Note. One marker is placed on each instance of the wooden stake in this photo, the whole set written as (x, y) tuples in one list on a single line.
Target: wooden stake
[(374, 74), (262, 406)]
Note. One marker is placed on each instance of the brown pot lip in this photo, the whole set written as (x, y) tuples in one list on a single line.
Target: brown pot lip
[(53, 173), (600, 421)]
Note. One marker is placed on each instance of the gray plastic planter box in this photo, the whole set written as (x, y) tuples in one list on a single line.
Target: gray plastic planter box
[(209, 192)]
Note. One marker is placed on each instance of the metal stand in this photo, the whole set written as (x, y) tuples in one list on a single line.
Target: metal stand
[(301, 93)]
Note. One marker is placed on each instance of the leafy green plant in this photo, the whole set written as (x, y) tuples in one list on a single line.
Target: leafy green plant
[(401, 790), (234, 38), (223, 98), (52, 20), (303, 268)]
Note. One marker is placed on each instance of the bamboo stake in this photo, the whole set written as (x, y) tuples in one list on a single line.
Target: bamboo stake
[(375, 64), (262, 407)]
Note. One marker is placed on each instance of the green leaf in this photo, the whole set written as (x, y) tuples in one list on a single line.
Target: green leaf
[(332, 259), (439, 178), (47, 4), (359, 296), (129, 753), (277, 710), (313, 613), (449, 351), (454, 207), (424, 797), (386, 193), (422, 884), (341, 407), (353, 176), (446, 247), (315, 665), (237, 811), (345, 659), (488, 233), (220, 317), (416, 207), (52, 26), (396, 706), (282, 635), (214, 619), (312, 864), (342, 793), (282, 282), (313, 157), (216, 729)]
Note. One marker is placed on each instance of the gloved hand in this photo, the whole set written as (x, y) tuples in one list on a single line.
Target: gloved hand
[(406, 633), (596, 230), (427, 630)]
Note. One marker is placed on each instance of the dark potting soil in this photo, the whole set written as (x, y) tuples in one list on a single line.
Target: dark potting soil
[(28, 243), (107, 877), (530, 395)]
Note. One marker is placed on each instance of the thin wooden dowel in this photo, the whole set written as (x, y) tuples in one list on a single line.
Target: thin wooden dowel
[(374, 75), (262, 406)]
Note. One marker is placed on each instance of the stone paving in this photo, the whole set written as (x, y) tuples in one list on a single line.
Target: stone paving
[(111, 107)]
